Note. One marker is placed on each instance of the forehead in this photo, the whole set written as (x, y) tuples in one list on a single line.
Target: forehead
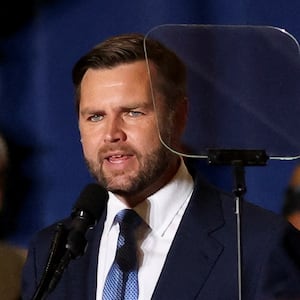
[(120, 83), (137, 71)]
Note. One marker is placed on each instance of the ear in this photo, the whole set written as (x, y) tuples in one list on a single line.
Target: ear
[(1, 198), (182, 115), (179, 122)]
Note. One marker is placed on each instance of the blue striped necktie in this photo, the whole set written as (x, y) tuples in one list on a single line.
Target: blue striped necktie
[(122, 279)]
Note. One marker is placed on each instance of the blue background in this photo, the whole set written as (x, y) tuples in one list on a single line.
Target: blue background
[(40, 42)]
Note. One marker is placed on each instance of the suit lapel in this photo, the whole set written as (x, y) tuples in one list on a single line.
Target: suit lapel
[(193, 252)]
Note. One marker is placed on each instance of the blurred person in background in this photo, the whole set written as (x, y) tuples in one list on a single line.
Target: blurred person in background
[(11, 258), (291, 205)]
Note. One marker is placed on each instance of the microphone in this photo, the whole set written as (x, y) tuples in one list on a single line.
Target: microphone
[(85, 214)]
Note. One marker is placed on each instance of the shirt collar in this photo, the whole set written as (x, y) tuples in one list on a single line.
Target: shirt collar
[(166, 203)]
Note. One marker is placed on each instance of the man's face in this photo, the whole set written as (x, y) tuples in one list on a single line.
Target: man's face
[(118, 127)]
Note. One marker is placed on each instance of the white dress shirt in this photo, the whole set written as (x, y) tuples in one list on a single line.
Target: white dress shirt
[(162, 212)]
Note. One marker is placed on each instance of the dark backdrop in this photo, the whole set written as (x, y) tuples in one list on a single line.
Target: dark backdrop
[(40, 41)]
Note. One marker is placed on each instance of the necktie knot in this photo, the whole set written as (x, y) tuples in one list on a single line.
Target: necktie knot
[(128, 220)]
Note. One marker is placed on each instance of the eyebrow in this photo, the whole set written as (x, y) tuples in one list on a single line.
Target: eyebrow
[(133, 105)]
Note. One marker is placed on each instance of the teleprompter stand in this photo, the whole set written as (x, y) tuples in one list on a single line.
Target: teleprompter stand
[(238, 159)]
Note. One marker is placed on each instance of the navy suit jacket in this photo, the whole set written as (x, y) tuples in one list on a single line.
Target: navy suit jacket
[(202, 261)]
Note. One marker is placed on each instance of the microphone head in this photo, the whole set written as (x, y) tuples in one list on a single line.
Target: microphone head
[(92, 200)]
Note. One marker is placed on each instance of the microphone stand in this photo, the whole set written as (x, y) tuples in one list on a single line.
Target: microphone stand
[(66, 245), (238, 159), (75, 247), (56, 252)]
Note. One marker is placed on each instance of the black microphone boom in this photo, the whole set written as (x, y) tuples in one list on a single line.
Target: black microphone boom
[(85, 214)]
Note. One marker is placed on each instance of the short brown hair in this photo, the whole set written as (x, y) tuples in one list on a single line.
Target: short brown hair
[(128, 48)]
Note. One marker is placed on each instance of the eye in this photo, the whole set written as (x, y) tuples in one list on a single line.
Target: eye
[(135, 113), (95, 118)]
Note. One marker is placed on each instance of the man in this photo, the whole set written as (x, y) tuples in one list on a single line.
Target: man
[(189, 248), (291, 204), (12, 258)]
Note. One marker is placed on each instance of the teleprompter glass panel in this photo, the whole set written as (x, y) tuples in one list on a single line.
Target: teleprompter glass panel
[(243, 87)]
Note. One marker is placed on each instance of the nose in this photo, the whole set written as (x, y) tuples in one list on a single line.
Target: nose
[(114, 131)]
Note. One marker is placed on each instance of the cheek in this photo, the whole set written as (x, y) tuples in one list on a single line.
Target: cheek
[(148, 141), (89, 140), (90, 147)]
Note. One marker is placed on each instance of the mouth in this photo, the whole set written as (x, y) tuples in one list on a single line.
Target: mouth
[(118, 158)]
